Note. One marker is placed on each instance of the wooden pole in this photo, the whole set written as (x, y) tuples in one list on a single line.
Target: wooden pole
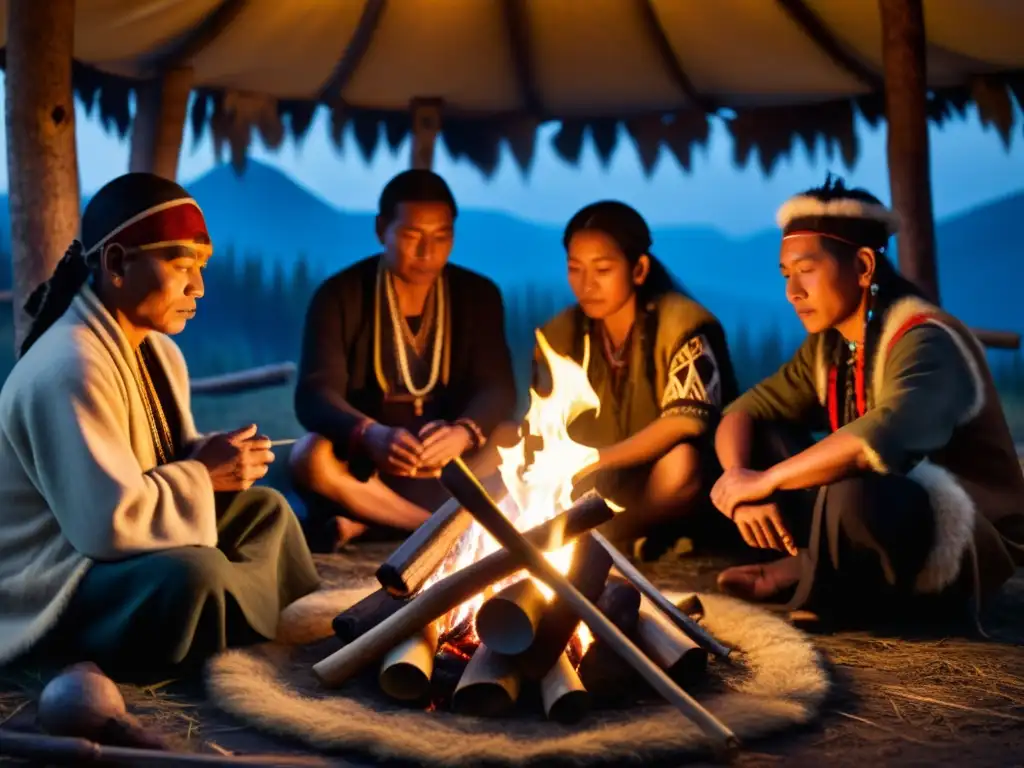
[(904, 62), (426, 124), (160, 109), (42, 163)]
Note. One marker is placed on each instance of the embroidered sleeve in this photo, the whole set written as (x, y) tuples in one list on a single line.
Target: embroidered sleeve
[(694, 385), (929, 389), (789, 394)]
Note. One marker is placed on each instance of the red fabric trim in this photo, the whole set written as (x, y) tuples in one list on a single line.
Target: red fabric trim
[(858, 376), (181, 222), (912, 322)]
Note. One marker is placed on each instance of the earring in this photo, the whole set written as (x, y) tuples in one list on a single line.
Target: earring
[(874, 294)]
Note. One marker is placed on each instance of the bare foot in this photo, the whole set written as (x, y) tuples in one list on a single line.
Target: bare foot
[(760, 582), (348, 530)]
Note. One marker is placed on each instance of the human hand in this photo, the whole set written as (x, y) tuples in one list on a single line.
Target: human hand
[(761, 525), (394, 450), (443, 442), (740, 486), (235, 460)]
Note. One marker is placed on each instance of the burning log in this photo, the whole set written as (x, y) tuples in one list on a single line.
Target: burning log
[(671, 648), (684, 622), (407, 668), (489, 687), (464, 486), (565, 699), (610, 681), (364, 615), (435, 601), (588, 573), (418, 557), (508, 622)]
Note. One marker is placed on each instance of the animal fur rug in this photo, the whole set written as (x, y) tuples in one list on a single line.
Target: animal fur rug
[(776, 681)]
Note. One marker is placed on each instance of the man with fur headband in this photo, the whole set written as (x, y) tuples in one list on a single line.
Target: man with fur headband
[(913, 502)]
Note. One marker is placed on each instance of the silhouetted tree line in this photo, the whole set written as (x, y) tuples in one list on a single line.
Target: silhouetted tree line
[(253, 315)]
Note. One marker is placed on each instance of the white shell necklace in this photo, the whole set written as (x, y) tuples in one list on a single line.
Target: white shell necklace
[(401, 352)]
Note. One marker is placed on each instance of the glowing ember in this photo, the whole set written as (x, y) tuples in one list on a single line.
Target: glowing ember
[(538, 473)]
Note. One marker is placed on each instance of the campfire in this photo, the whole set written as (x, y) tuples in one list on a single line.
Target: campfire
[(508, 590)]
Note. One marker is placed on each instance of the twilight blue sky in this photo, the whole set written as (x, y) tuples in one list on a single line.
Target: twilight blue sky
[(970, 166)]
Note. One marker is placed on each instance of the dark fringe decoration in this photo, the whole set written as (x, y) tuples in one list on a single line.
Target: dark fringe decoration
[(995, 106), (770, 131), (521, 136), (367, 133), (647, 133), (115, 107), (605, 135), (86, 83), (478, 141), (568, 142), (339, 119), (397, 126), (683, 132), (199, 115), (300, 116)]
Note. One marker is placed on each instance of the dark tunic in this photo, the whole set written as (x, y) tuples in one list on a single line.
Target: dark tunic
[(340, 383), (677, 363)]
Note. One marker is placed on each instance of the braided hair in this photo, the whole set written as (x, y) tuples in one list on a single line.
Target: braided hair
[(624, 225), (114, 204)]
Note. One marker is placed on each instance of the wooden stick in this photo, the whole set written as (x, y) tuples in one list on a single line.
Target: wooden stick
[(457, 478), (407, 668), (435, 601), (417, 558), (672, 649), (700, 636), (242, 381), (587, 573), (564, 697), (366, 614), (66, 750), (489, 686), (507, 623)]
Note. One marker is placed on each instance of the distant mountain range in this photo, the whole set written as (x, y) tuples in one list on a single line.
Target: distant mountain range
[(264, 213)]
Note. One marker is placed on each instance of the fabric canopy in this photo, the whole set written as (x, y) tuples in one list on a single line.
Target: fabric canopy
[(501, 61)]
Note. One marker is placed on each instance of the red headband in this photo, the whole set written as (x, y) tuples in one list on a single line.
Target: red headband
[(799, 232), (178, 222)]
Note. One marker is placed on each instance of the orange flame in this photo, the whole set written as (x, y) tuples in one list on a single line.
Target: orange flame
[(540, 487)]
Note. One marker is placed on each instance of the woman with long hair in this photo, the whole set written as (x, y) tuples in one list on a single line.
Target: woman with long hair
[(660, 366), (914, 498), (126, 537)]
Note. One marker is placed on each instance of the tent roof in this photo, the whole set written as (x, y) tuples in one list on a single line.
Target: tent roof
[(783, 68)]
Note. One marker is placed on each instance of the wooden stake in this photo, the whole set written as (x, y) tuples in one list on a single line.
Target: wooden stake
[(426, 124), (42, 161), (417, 558), (906, 87), (703, 638), (161, 105), (63, 750), (457, 478)]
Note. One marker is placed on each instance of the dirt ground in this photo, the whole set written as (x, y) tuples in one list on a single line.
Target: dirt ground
[(938, 701)]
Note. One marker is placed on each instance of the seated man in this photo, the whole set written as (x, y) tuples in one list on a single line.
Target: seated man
[(913, 503), (405, 366), (128, 539)]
